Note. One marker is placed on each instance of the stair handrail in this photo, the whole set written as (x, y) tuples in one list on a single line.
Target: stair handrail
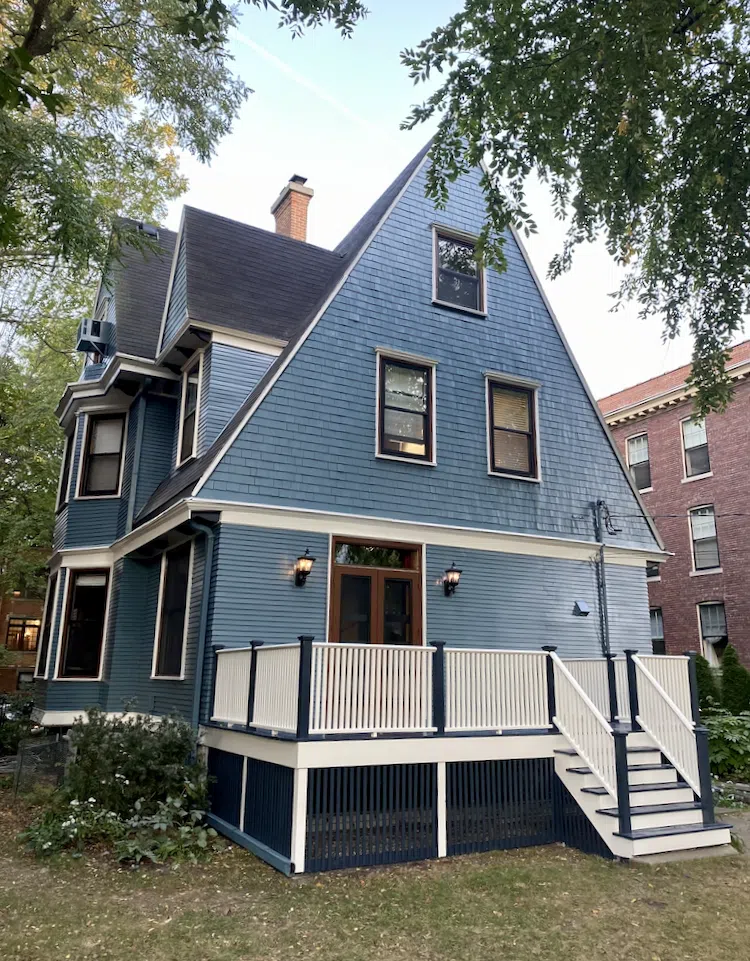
[(604, 765), (687, 767)]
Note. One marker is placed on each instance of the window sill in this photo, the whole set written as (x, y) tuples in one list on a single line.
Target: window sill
[(696, 477), (645, 490), (518, 477), (97, 497), (167, 677), (407, 460), (653, 580), (710, 570), (180, 464), (68, 680), (457, 307)]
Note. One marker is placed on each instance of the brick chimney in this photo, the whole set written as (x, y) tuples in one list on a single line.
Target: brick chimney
[(290, 208)]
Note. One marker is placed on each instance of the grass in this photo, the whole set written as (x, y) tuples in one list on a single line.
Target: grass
[(537, 904)]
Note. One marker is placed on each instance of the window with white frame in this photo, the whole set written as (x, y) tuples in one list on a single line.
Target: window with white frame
[(695, 446), (405, 392), (638, 461), (713, 626), (102, 460), (512, 429), (705, 540), (189, 410), (172, 621), (657, 631), (82, 635), (47, 617), (459, 277)]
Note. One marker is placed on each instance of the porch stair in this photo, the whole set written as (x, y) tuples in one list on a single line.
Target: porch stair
[(664, 812)]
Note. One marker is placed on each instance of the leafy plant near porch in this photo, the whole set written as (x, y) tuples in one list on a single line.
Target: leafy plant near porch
[(135, 786), (735, 683), (729, 744), (709, 695)]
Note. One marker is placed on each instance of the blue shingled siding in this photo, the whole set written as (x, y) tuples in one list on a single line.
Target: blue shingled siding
[(177, 310), (311, 443), (229, 374), (127, 473)]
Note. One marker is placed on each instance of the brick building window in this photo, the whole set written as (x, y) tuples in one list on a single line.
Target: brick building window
[(22, 634), (705, 541), (638, 462), (713, 625), (695, 446), (652, 571), (657, 631)]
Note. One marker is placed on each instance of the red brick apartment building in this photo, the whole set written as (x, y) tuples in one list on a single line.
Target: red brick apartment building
[(695, 480)]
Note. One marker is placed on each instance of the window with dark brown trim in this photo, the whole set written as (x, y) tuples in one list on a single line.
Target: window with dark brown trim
[(405, 428), (512, 429), (459, 280), (105, 436)]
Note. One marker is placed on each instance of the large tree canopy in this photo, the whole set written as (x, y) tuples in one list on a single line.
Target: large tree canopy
[(637, 115)]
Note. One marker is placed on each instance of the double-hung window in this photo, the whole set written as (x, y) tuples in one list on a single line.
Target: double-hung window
[(512, 429), (405, 427), (459, 278), (172, 621), (22, 634), (638, 462), (102, 463), (695, 446), (189, 410), (657, 631), (713, 625), (83, 628), (705, 541)]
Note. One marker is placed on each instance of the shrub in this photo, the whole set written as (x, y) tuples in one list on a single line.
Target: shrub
[(709, 695), (729, 744), (122, 760), (15, 721), (735, 683)]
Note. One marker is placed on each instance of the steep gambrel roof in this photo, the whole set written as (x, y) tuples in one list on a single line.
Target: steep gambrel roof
[(182, 482)]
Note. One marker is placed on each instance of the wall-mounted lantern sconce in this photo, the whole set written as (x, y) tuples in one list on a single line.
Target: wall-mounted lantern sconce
[(303, 567), (16, 593), (581, 609), (452, 577)]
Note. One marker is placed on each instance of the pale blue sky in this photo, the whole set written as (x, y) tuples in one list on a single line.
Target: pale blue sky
[(329, 109)]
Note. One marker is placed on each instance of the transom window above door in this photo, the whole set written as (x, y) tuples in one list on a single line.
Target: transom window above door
[(376, 594), (459, 278), (405, 415)]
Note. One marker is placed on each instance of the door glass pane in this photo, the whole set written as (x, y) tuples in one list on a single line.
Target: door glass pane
[(397, 611), (355, 609), (373, 555)]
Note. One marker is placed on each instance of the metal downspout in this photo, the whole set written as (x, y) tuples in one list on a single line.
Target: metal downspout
[(210, 534)]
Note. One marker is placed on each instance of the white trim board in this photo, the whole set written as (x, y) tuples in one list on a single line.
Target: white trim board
[(359, 525)]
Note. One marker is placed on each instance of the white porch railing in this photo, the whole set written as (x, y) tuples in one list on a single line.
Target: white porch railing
[(277, 687), (488, 690), (672, 674), (591, 674), (371, 688), (231, 685), (669, 727), (584, 725)]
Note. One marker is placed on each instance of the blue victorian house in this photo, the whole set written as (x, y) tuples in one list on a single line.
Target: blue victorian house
[(355, 515)]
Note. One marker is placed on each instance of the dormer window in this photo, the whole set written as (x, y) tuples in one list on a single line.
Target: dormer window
[(187, 441), (459, 278)]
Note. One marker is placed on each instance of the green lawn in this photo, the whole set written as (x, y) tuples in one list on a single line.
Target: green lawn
[(541, 903)]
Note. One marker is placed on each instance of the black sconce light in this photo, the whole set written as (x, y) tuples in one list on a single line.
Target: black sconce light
[(452, 577), (303, 567), (581, 609)]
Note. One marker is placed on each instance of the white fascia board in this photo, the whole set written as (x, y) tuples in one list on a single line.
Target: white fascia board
[(281, 367), (171, 517)]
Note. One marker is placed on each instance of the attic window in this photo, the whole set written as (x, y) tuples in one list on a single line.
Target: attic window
[(459, 278), (186, 442)]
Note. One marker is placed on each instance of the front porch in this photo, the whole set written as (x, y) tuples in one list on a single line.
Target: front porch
[(332, 755)]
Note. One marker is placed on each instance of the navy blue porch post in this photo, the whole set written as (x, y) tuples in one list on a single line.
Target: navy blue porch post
[(551, 703), (303, 691), (254, 645), (632, 690), (612, 687), (438, 687), (620, 734), (701, 743)]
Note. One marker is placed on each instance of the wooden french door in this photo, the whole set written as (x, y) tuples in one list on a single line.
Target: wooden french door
[(376, 605)]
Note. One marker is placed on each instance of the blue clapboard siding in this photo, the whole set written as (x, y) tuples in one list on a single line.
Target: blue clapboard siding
[(177, 309), (311, 442), (92, 521), (156, 452), (522, 602), (134, 416), (229, 374), (131, 660), (60, 530)]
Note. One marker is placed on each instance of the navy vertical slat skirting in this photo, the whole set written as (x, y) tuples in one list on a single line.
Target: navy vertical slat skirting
[(370, 815), (225, 785), (268, 805)]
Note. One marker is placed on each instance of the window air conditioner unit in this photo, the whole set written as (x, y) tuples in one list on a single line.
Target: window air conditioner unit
[(93, 336)]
